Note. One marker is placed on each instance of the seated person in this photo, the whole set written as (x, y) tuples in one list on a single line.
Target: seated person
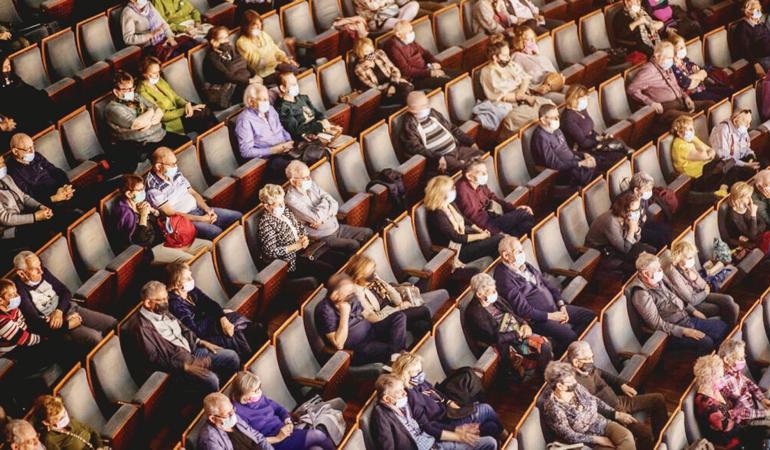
[(224, 429), (761, 196), (635, 30), (473, 245), (617, 234), (272, 420), (28, 350), (263, 57), (298, 115), (226, 73), (374, 69), (689, 285), (491, 17), (493, 323), (751, 37), (339, 318), (153, 339), (674, 18), (575, 416), (182, 17), (661, 309), (616, 392), (691, 77), (549, 149), (485, 209), (260, 133), (180, 116), (317, 211), (416, 64), (732, 144), (21, 435), (282, 236), (655, 233), (655, 85), (505, 82), (169, 192), (136, 126), (48, 307), (545, 78), (135, 222), (537, 301), (379, 299), (383, 15), (691, 157), (527, 14), (749, 400), (142, 25), (59, 431), (425, 131), (206, 318), (24, 108), (719, 420), (10, 38), (395, 424), (442, 412), (578, 128), (742, 228)]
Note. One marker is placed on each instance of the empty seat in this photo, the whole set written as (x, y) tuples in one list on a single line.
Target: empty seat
[(63, 61), (553, 255), (79, 136), (517, 196), (218, 194), (615, 107), (339, 114), (352, 178), (354, 211), (449, 58), (707, 230), (513, 173), (335, 84), (81, 174), (450, 33), (96, 44), (28, 65), (379, 154), (220, 14), (573, 72), (596, 198), (325, 12), (455, 352), (717, 51), (573, 224), (755, 335), (630, 368), (621, 340), (204, 273), (312, 43), (674, 436), (570, 52), (646, 160)]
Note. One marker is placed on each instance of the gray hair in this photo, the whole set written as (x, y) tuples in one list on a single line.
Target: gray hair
[(14, 431), (730, 348), (270, 194), (20, 260), (212, 403), (663, 45), (481, 281), (252, 91), (645, 260), (244, 383), (506, 244), (294, 167), (577, 349), (150, 288), (556, 372), (640, 179)]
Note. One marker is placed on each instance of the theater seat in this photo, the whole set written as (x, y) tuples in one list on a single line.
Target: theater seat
[(620, 130), (707, 228), (691, 425), (355, 211), (455, 352), (616, 107), (530, 435), (629, 370), (618, 177), (312, 43), (221, 14), (675, 436), (646, 160), (553, 255), (596, 198), (514, 174), (334, 81), (717, 51), (755, 335), (196, 57), (81, 174), (364, 420), (379, 154), (732, 272), (621, 340), (449, 58), (63, 61), (265, 366), (340, 114), (431, 363), (450, 32), (747, 99), (352, 178), (571, 287), (325, 12), (96, 44), (204, 273), (460, 103), (354, 440), (79, 136), (220, 194), (594, 36), (569, 52), (28, 65), (573, 224), (574, 73), (517, 196)]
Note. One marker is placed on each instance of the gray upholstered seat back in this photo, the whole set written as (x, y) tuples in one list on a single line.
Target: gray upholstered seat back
[(206, 278), (49, 145), (594, 31), (550, 247), (396, 126), (595, 339), (379, 152), (297, 22), (98, 117), (691, 427), (717, 50), (177, 74), (355, 441), (675, 436), (115, 26), (666, 162), (618, 335), (530, 435), (322, 176), (271, 24), (251, 228), (492, 181), (403, 248), (431, 364), (89, 241), (719, 113), (478, 90), (705, 231), (62, 54), (201, 5), (647, 161), (191, 438), (467, 15), (597, 200), (95, 39), (233, 257), (190, 166), (546, 48), (423, 31), (294, 353), (568, 49), (619, 178), (526, 139), (265, 366), (701, 128), (216, 150), (755, 335), (365, 422), (449, 27), (197, 56), (573, 223), (423, 230), (595, 111), (308, 85), (513, 167), (315, 339), (28, 65), (376, 251), (9, 14), (748, 100), (325, 12), (109, 368), (529, 253), (334, 81), (80, 403), (615, 105), (350, 169), (461, 100), (452, 347), (438, 102), (57, 259), (80, 137)]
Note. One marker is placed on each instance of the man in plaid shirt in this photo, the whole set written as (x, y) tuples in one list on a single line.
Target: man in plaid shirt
[(748, 400)]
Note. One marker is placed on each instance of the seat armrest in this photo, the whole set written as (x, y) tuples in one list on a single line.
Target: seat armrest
[(221, 193), (98, 290), (154, 384), (750, 261), (641, 113), (440, 268), (240, 302), (555, 10), (126, 256), (518, 196), (270, 280), (60, 86), (575, 286), (365, 97), (632, 367), (654, 211), (487, 360), (246, 168), (5, 366), (223, 14), (80, 169), (618, 127), (594, 58), (541, 177), (587, 259), (450, 58), (653, 343), (469, 127), (474, 41), (410, 164), (355, 211), (556, 271), (573, 73), (121, 425)]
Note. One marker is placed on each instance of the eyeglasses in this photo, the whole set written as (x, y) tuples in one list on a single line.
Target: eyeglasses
[(126, 89)]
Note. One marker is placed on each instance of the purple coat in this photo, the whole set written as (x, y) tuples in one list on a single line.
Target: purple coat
[(531, 302)]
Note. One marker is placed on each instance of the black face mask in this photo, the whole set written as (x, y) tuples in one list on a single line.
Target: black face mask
[(160, 308), (587, 367), (370, 277), (571, 388)]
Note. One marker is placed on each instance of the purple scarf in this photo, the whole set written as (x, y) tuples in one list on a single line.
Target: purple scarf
[(153, 19)]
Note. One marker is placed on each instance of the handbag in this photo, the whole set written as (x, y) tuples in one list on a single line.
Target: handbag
[(309, 152), (383, 14), (219, 96), (667, 200), (722, 251), (315, 250), (409, 293), (178, 231)]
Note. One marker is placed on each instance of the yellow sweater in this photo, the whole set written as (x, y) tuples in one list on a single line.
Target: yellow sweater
[(679, 151), (260, 53)]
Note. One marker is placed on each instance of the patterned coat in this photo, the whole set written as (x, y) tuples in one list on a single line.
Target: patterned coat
[(275, 235)]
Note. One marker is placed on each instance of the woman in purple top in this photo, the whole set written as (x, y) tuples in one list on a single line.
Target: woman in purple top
[(134, 219), (692, 78), (674, 18), (271, 419)]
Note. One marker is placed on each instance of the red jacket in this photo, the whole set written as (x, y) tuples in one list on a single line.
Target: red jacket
[(473, 203), (412, 60)]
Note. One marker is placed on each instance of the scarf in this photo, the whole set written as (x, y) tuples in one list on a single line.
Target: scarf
[(458, 223), (649, 36), (153, 20)]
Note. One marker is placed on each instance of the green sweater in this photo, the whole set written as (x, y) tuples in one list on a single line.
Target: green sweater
[(168, 100), (177, 11), (56, 440)]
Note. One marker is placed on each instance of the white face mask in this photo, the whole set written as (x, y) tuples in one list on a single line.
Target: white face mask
[(263, 107), (63, 422), (188, 286), (128, 96), (3, 172), (555, 124), (657, 277), (141, 3), (402, 402), (482, 179), (451, 196), (28, 157), (681, 54), (582, 104), (294, 90), (519, 259), (492, 298), (666, 64), (634, 216), (635, 9), (757, 14), (743, 129), (422, 114), (690, 263), (230, 421), (278, 211), (306, 184), (647, 195), (688, 135), (255, 33), (409, 38), (153, 80)]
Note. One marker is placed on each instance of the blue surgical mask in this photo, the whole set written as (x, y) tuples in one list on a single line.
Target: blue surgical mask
[(294, 90), (171, 172), (13, 303), (422, 114), (128, 96), (230, 421), (582, 104), (140, 196), (418, 379), (451, 196), (492, 298), (28, 157), (520, 258), (3, 172), (757, 14), (634, 215), (688, 135), (667, 64), (263, 107)]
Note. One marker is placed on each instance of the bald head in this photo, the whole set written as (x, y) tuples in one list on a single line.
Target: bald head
[(417, 102), (404, 31), (254, 94), (762, 182), (164, 162), (22, 148)]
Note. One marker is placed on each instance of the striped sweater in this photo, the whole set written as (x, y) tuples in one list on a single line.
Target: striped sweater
[(14, 333)]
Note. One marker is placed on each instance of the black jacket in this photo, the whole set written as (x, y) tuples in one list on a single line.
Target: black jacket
[(482, 326), (389, 433)]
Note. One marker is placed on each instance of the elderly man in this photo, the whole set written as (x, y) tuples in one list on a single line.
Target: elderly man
[(260, 132), (485, 209), (48, 307), (415, 63), (655, 85), (396, 426), (224, 429), (317, 210), (761, 195), (732, 144), (427, 132), (339, 318), (153, 339), (751, 37), (536, 300), (21, 435), (607, 386), (748, 400), (298, 115), (169, 192), (661, 309)]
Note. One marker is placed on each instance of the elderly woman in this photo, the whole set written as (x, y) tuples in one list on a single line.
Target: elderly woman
[(183, 18), (691, 77), (695, 159), (27, 349), (751, 37), (675, 19), (271, 419), (617, 234), (635, 30), (491, 17), (142, 25), (578, 129), (690, 286), (493, 323), (577, 417), (731, 141), (749, 400), (379, 299), (383, 15), (206, 318), (447, 226), (375, 70), (444, 411), (506, 83), (545, 78), (263, 57), (59, 431), (179, 114), (225, 71), (656, 233), (742, 228)]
